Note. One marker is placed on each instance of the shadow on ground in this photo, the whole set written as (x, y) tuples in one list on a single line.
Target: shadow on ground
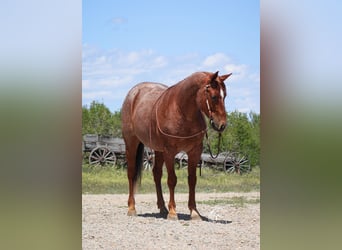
[(184, 217)]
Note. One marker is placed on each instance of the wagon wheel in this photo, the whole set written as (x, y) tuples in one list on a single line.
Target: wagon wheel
[(148, 159), (102, 156), (236, 163)]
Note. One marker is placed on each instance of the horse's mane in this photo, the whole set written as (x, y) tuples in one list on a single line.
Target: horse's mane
[(196, 80)]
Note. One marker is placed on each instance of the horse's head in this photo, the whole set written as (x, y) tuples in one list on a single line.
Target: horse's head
[(212, 101)]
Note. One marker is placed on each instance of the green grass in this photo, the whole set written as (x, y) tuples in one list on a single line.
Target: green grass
[(106, 180)]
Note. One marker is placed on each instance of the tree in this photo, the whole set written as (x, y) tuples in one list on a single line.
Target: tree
[(254, 144), (116, 121), (97, 119), (241, 135)]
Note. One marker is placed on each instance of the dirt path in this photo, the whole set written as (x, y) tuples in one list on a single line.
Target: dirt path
[(105, 224)]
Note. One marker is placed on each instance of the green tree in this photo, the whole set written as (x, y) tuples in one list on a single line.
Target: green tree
[(116, 123), (241, 135), (254, 142), (97, 119), (85, 121)]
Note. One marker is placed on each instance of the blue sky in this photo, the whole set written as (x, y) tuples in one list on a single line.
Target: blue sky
[(127, 42)]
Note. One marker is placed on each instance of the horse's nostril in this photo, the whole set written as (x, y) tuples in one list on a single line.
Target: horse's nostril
[(222, 127)]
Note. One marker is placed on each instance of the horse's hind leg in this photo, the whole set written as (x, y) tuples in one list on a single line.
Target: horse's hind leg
[(131, 152), (157, 174)]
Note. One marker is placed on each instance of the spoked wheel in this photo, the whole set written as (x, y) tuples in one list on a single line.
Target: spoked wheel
[(102, 156), (148, 159), (236, 163)]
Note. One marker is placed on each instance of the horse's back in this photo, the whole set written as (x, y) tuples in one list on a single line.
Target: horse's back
[(145, 93)]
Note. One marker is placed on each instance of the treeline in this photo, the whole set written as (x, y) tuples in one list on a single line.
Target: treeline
[(241, 135), (97, 119)]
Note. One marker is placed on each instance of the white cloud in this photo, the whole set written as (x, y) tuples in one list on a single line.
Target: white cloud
[(118, 20), (114, 63), (244, 97), (107, 75), (160, 62), (215, 60), (239, 71), (224, 64)]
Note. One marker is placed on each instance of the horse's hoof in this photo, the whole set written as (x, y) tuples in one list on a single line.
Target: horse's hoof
[(132, 213), (172, 217), (194, 215), (164, 212)]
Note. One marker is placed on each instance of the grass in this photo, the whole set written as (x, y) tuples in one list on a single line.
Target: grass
[(236, 201), (109, 180)]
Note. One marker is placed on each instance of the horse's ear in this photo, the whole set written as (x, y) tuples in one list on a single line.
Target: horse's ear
[(213, 83), (214, 76), (224, 77)]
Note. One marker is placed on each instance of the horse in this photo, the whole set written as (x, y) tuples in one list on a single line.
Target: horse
[(169, 120)]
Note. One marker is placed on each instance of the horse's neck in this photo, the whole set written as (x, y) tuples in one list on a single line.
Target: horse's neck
[(184, 98), (187, 96), (177, 112)]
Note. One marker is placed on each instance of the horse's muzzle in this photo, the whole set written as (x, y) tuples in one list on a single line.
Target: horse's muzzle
[(218, 128)]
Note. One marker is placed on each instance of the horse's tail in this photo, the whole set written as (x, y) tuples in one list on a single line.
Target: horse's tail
[(139, 163)]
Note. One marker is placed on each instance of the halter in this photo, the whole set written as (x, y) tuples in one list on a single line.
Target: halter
[(207, 102), (211, 121)]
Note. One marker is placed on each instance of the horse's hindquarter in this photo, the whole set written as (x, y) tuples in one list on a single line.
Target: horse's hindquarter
[(137, 110)]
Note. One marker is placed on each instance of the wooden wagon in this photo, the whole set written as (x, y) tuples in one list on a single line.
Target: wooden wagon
[(230, 162), (107, 150), (103, 150)]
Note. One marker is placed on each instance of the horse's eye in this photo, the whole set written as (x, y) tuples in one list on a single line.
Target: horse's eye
[(214, 98)]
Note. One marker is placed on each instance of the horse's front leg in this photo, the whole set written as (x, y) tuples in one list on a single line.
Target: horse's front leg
[(171, 182), (194, 158)]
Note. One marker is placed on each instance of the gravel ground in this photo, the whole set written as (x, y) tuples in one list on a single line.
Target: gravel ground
[(105, 224)]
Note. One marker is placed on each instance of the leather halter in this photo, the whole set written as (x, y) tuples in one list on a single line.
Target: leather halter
[(211, 122), (207, 101)]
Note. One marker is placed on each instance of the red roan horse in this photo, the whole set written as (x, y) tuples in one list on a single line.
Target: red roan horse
[(170, 120)]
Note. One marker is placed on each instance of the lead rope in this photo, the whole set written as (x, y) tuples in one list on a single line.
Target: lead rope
[(219, 146), (209, 148)]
